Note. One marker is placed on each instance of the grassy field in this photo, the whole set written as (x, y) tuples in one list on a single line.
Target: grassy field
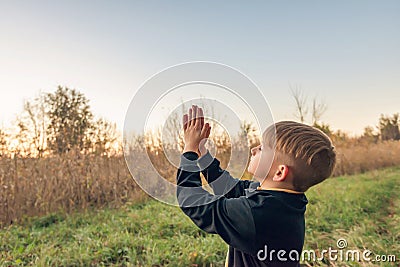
[(363, 209)]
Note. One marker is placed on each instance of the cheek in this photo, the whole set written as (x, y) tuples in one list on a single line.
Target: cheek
[(253, 164), (263, 166)]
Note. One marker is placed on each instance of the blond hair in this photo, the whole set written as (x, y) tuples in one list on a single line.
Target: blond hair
[(306, 150)]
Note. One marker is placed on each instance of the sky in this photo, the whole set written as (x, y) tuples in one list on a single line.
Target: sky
[(344, 52)]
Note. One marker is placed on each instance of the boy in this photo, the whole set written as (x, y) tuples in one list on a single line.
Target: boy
[(262, 221)]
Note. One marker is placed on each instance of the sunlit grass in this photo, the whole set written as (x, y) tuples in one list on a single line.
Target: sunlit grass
[(363, 209)]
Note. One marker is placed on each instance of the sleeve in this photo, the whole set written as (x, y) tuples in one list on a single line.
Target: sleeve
[(230, 218), (220, 180)]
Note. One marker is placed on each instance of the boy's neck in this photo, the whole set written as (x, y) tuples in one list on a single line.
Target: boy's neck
[(268, 184)]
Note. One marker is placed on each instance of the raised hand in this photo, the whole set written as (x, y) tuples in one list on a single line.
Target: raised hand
[(195, 131)]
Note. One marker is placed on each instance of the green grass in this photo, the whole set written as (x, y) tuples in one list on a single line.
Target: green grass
[(363, 209)]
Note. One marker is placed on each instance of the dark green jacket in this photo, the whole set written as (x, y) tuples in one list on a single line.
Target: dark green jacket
[(256, 224)]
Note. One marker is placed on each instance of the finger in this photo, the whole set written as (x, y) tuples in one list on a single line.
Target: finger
[(194, 115), (208, 131), (190, 117), (201, 117), (204, 130), (185, 121)]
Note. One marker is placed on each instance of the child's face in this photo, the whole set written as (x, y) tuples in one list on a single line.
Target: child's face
[(260, 161)]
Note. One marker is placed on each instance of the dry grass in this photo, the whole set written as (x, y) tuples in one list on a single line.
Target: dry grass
[(359, 157), (30, 187), (42, 185)]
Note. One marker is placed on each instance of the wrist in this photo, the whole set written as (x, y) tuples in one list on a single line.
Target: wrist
[(191, 149)]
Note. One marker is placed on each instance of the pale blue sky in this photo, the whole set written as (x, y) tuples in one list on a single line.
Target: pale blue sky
[(346, 52)]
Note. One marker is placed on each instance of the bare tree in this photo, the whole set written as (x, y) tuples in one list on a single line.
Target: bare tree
[(35, 120), (102, 138), (22, 146), (171, 136), (301, 102), (318, 109)]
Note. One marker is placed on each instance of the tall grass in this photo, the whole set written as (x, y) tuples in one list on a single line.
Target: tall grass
[(358, 157), (38, 186)]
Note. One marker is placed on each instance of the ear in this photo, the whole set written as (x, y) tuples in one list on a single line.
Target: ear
[(281, 173)]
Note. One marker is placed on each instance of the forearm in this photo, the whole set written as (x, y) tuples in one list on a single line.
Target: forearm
[(192, 198), (229, 218), (220, 180), (188, 172)]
